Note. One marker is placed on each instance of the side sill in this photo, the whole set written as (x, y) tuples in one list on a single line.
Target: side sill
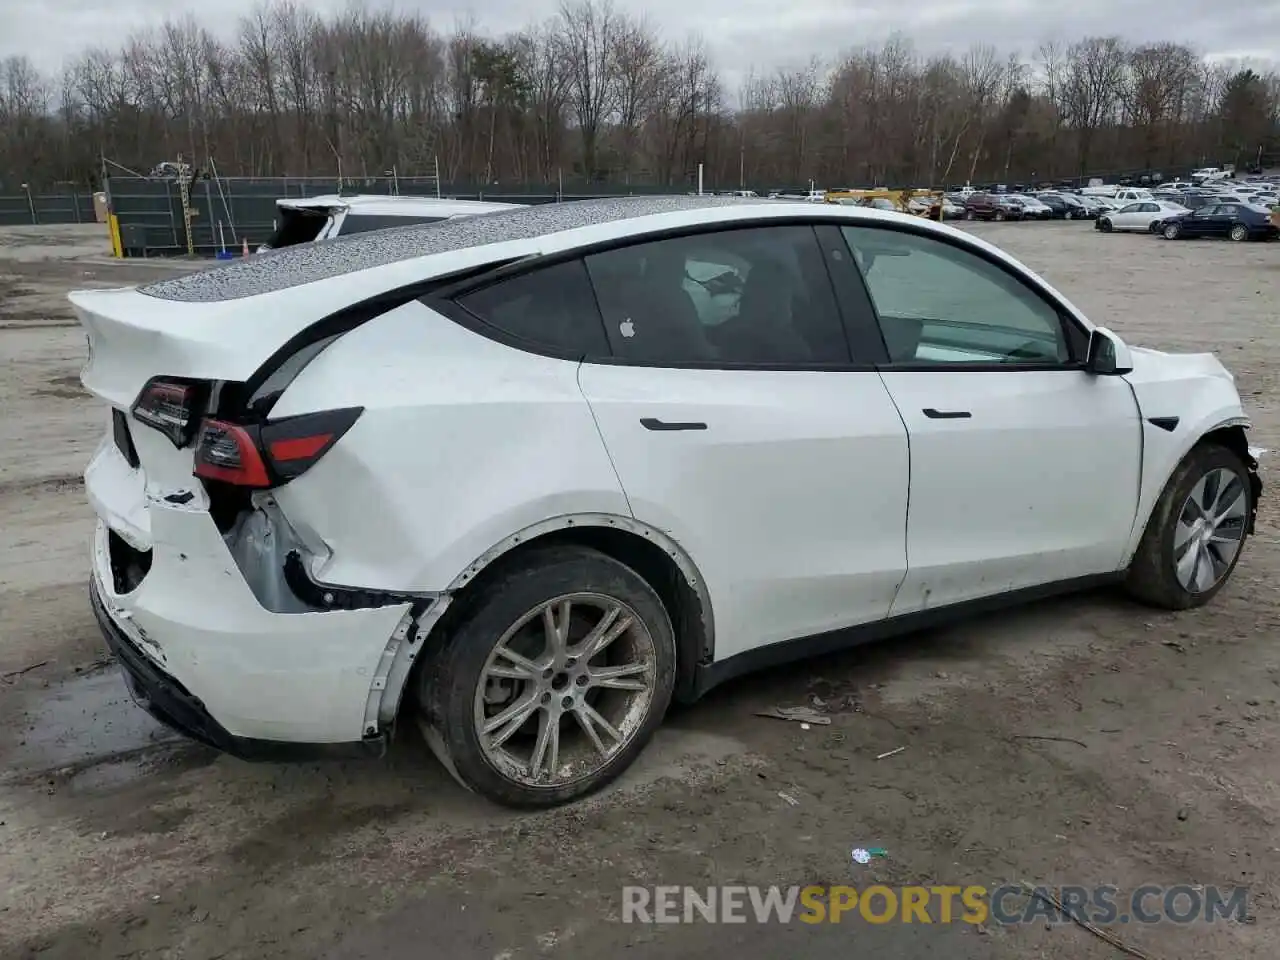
[(709, 676)]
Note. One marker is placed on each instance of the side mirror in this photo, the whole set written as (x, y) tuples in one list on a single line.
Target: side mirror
[(1108, 354)]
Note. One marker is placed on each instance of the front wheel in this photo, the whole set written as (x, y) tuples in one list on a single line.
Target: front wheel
[(1104, 225), (1196, 531), (1172, 231), (551, 679), (999, 216), (1239, 233), (1067, 215)]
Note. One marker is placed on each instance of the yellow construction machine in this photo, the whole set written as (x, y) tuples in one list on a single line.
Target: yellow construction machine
[(918, 202)]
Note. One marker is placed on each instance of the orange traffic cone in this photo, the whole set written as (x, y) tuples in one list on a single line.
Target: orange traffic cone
[(245, 251)]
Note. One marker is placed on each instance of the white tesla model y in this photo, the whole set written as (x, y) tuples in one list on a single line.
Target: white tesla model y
[(523, 478)]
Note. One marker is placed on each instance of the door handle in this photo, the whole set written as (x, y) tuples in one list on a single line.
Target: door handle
[(933, 414), (653, 423)]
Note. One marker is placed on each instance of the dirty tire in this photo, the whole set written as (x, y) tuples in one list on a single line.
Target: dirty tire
[(1151, 578), (447, 686)]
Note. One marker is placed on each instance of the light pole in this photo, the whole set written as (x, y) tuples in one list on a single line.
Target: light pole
[(31, 203)]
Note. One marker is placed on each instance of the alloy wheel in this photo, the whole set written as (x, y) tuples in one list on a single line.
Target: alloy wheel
[(565, 689), (1239, 232), (1210, 530)]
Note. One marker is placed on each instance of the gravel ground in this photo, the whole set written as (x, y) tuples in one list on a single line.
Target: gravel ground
[(118, 840)]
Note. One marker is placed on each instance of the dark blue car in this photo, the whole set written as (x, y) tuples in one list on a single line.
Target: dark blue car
[(1235, 221)]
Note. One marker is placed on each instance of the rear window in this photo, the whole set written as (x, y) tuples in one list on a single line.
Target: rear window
[(297, 226), (553, 307), (364, 222)]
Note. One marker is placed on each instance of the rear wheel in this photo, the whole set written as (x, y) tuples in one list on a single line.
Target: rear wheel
[(968, 214), (1196, 531), (1067, 215), (1172, 231), (1239, 232), (550, 681)]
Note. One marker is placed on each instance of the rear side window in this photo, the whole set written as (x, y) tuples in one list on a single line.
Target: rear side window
[(725, 298), (552, 308), (364, 222)]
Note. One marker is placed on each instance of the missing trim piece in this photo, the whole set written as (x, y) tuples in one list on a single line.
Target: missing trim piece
[(326, 596)]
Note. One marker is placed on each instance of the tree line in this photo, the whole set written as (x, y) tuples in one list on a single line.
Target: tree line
[(598, 94)]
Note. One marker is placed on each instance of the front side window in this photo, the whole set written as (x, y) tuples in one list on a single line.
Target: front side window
[(732, 297), (552, 307), (939, 303)]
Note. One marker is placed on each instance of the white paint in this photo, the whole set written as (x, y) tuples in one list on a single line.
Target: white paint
[(1039, 484), (777, 565), (792, 505), (1139, 215)]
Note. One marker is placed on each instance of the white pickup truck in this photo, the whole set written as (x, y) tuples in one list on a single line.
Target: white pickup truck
[(1119, 194), (1205, 174)]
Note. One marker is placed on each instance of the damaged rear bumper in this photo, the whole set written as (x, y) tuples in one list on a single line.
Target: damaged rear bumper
[(231, 668), (172, 704)]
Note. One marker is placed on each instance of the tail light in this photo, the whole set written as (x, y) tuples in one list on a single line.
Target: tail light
[(229, 453), (269, 454), (171, 406)]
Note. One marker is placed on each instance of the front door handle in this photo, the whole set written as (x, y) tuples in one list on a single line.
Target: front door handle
[(653, 423), (933, 414)]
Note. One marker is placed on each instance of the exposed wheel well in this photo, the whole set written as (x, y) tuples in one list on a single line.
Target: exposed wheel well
[(1233, 438), (686, 608)]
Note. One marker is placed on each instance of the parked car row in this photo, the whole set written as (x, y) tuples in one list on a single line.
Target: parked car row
[(1227, 209), (1043, 205), (1232, 221)]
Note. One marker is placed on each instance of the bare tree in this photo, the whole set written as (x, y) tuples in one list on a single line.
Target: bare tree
[(1092, 84), (595, 94), (637, 58), (591, 29)]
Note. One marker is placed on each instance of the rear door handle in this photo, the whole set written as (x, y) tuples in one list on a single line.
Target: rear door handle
[(653, 423), (933, 414)]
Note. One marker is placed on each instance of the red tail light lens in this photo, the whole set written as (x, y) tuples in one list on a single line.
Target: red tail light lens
[(271, 454), (172, 407), (294, 444), (229, 453)]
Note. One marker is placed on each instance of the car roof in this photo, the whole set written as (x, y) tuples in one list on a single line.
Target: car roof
[(393, 206), (502, 235)]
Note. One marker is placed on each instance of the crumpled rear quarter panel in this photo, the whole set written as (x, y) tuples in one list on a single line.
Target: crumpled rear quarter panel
[(463, 442)]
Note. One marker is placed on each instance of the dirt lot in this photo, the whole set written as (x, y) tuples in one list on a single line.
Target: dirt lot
[(116, 840)]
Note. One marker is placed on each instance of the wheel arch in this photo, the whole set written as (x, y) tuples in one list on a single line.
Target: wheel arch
[(651, 553), (1231, 433)]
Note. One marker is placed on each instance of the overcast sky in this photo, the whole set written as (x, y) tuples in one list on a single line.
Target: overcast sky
[(741, 33)]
